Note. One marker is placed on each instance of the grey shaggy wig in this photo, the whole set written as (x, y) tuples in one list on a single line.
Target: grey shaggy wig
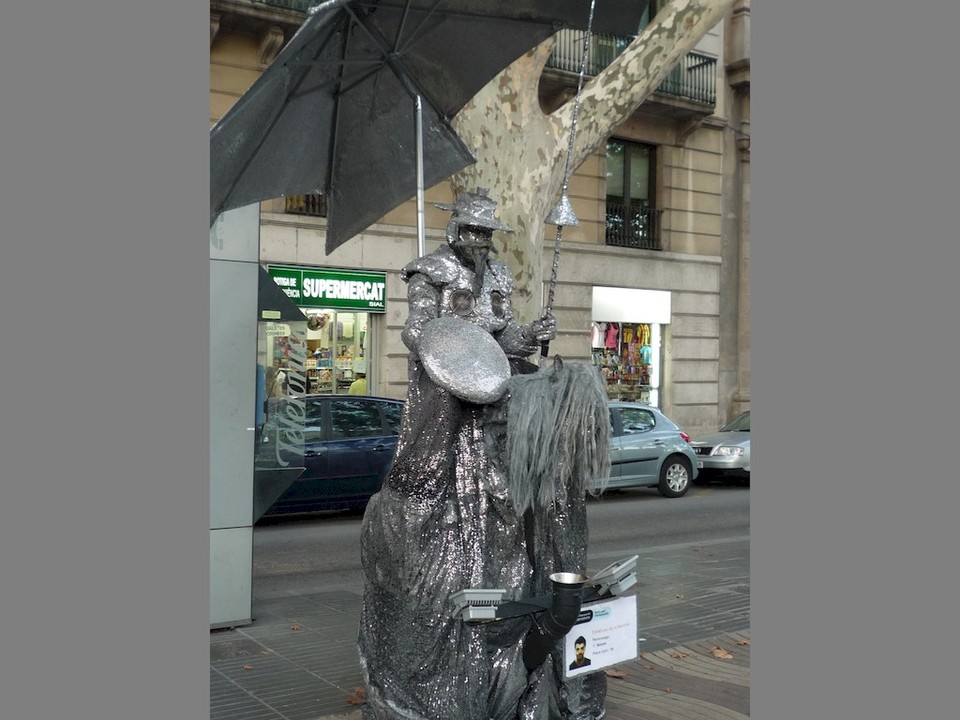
[(557, 435)]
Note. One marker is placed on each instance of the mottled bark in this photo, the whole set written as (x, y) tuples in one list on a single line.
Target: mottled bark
[(521, 151)]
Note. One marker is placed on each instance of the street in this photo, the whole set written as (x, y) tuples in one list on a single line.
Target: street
[(298, 659), (311, 553)]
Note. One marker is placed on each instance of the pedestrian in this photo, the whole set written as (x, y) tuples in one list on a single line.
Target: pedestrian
[(276, 380), (358, 386)]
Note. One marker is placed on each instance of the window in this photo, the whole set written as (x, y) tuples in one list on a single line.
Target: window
[(315, 205), (741, 423), (313, 427), (355, 418), (636, 420), (604, 48), (650, 12), (632, 215), (393, 412)]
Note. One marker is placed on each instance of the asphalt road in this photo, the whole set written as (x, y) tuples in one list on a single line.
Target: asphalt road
[(310, 553)]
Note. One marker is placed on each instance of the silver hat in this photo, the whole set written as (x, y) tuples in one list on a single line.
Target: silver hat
[(475, 208)]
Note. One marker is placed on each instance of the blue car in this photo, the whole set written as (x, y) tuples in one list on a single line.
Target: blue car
[(349, 444), (348, 448)]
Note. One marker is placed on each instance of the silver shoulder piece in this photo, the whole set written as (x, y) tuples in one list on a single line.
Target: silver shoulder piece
[(441, 266)]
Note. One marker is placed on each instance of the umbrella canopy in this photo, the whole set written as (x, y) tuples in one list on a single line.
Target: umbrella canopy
[(335, 113)]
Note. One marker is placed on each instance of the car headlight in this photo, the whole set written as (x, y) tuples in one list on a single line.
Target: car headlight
[(728, 451)]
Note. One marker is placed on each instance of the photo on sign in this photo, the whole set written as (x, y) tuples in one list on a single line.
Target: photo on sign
[(605, 634)]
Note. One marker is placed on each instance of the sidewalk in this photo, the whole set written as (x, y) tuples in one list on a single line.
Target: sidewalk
[(298, 660)]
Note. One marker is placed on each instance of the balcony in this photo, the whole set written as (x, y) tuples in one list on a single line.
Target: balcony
[(690, 90), (633, 226)]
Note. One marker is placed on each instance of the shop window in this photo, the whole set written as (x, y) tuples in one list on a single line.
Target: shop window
[(628, 357), (632, 215), (337, 349)]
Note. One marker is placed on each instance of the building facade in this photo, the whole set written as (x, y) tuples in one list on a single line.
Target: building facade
[(653, 284), (663, 209)]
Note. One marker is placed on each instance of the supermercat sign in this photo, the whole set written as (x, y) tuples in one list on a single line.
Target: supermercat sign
[(333, 289)]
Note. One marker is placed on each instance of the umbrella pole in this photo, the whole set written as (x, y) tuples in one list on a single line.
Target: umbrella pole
[(421, 225)]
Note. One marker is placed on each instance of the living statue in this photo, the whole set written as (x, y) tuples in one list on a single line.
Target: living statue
[(467, 502)]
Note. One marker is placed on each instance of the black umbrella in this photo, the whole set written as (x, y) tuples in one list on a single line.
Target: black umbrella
[(336, 112)]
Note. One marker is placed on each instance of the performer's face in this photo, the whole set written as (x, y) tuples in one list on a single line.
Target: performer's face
[(473, 246)]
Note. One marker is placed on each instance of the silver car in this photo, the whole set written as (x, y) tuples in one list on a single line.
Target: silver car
[(725, 453), (647, 449)]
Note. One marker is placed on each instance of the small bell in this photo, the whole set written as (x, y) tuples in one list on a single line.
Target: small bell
[(562, 213)]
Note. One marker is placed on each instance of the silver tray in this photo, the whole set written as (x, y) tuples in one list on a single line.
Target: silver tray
[(464, 359)]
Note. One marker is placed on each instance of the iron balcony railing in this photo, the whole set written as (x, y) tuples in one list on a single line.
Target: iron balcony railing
[(633, 226), (694, 78), (636, 226)]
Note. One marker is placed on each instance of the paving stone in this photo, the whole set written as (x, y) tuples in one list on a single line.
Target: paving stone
[(269, 671)]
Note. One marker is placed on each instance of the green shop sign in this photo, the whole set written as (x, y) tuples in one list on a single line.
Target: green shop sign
[(333, 289)]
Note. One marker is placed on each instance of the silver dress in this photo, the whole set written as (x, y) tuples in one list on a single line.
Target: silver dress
[(444, 521)]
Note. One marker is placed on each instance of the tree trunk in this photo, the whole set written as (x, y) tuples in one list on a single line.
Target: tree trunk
[(521, 151)]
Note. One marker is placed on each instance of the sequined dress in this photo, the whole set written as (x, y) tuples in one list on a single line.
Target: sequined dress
[(442, 523)]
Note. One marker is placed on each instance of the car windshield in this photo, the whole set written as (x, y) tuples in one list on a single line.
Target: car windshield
[(741, 423)]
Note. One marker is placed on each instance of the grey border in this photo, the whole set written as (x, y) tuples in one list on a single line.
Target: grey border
[(103, 290), (854, 258), (104, 531)]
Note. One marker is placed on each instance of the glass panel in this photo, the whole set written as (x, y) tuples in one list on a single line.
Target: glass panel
[(393, 412), (630, 203), (603, 51), (313, 427), (741, 423), (652, 364), (639, 164), (636, 420), (645, 18), (281, 384), (351, 418), (338, 350), (615, 161)]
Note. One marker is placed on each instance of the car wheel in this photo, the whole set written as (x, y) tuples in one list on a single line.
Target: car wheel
[(674, 477)]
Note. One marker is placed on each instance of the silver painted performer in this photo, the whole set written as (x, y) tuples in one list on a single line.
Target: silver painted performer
[(444, 520)]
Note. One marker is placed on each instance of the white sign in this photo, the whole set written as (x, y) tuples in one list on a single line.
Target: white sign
[(605, 634), (272, 329), (631, 305)]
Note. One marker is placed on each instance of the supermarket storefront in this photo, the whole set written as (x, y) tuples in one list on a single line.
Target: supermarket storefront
[(344, 310)]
